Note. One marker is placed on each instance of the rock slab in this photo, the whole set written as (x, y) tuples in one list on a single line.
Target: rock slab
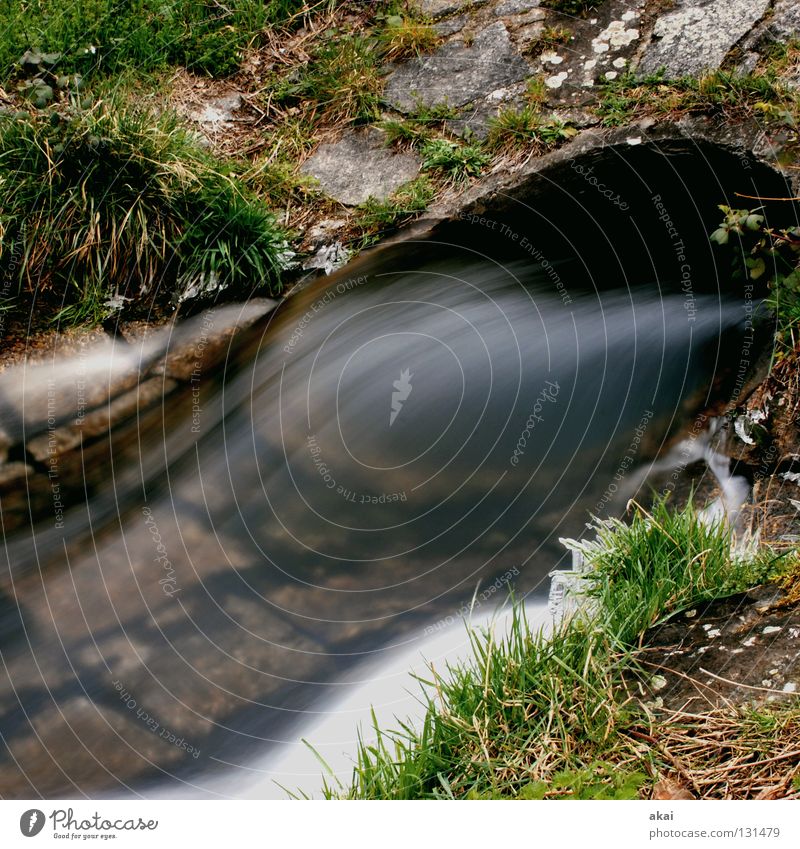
[(457, 74), (785, 21), (360, 166), (695, 39), (441, 8)]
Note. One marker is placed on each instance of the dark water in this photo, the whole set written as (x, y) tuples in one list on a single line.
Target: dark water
[(422, 423)]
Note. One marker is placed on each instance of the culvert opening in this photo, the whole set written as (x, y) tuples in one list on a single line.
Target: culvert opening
[(626, 213)]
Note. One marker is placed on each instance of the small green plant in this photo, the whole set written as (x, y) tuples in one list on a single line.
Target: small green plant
[(109, 203), (525, 129), (572, 7), (769, 254), (549, 38), (406, 132), (595, 781), (536, 92), (375, 218), (457, 162)]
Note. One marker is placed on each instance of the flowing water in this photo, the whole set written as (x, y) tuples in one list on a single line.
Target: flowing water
[(398, 443)]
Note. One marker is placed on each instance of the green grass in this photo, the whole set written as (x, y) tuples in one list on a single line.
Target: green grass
[(456, 162), (525, 129), (533, 716), (110, 35), (629, 98), (403, 38), (341, 81), (110, 201), (374, 219)]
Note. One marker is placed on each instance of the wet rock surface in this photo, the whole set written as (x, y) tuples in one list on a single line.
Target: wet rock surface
[(64, 427), (740, 650)]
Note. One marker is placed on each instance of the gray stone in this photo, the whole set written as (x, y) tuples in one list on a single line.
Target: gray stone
[(441, 8), (450, 26), (360, 166), (785, 21), (475, 121), (695, 39), (515, 7), (218, 110), (328, 258), (456, 74)]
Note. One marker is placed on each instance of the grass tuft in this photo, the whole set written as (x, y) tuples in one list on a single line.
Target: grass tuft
[(403, 38), (375, 219), (341, 81), (458, 163), (108, 203), (524, 129), (550, 717), (736, 95)]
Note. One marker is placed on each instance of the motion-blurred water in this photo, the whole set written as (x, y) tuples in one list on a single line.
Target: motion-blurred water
[(412, 433)]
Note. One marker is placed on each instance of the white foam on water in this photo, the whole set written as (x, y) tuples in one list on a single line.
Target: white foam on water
[(386, 686)]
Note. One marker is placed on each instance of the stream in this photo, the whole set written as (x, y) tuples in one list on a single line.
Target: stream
[(398, 445)]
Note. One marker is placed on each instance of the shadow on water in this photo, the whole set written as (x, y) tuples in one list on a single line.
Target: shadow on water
[(428, 421)]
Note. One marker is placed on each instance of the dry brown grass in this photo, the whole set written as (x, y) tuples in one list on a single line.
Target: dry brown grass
[(731, 753)]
